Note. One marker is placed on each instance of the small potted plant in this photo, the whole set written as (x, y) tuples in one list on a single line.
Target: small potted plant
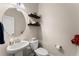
[(75, 40)]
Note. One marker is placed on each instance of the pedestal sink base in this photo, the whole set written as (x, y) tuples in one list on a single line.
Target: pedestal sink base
[(20, 53)]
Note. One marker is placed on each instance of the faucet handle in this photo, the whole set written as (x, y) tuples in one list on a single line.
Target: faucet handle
[(16, 40), (11, 42)]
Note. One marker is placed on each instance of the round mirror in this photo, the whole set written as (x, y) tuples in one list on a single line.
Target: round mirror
[(14, 22)]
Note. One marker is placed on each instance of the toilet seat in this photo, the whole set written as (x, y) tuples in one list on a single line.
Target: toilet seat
[(41, 52)]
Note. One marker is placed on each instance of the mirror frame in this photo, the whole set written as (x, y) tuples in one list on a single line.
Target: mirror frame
[(20, 32), (27, 31)]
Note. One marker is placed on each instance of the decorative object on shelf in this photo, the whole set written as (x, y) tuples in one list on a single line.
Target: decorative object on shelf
[(34, 15), (35, 24), (32, 21), (75, 40)]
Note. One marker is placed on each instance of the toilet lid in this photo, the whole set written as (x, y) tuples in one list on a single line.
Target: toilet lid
[(41, 51)]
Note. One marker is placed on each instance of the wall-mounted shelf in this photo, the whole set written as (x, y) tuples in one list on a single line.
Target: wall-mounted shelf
[(34, 16), (36, 24)]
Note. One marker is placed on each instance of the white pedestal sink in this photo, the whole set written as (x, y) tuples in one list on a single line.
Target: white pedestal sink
[(17, 48)]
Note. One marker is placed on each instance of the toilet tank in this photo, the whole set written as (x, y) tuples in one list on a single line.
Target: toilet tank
[(34, 44)]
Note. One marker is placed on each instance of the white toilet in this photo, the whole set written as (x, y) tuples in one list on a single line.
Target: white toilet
[(39, 51)]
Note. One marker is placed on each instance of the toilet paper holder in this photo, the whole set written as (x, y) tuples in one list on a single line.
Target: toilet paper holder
[(58, 47)]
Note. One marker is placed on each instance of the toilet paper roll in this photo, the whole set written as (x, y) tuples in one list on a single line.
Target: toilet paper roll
[(58, 47)]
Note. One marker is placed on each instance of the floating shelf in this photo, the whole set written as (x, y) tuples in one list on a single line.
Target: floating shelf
[(36, 24), (34, 16)]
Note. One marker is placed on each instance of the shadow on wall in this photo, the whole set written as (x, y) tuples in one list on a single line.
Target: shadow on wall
[(61, 50)]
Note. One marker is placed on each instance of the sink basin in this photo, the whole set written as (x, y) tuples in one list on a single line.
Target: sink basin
[(17, 46)]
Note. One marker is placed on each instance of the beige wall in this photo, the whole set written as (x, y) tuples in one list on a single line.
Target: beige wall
[(35, 30), (58, 24), (31, 7)]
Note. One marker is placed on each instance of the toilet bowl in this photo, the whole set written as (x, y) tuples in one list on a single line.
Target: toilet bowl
[(39, 51)]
